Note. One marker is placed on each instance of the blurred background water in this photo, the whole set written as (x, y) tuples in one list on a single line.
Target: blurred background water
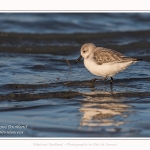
[(68, 23), (40, 96)]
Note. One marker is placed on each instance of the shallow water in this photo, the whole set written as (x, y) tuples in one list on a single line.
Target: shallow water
[(40, 96)]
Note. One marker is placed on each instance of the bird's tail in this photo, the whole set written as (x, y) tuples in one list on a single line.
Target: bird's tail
[(137, 59)]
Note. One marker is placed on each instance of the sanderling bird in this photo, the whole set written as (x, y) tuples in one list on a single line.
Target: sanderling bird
[(104, 62)]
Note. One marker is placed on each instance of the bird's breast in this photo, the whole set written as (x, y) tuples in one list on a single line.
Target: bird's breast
[(94, 68)]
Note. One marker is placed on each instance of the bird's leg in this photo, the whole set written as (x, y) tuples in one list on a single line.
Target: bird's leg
[(111, 80), (105, 79), (93, 80)]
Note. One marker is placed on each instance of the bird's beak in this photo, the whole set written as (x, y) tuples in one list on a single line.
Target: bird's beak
[(78, 59)]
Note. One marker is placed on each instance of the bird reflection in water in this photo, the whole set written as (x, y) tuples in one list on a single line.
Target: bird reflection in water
[(101, 111)]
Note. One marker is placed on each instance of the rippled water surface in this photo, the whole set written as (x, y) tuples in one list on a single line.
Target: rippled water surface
[(41, 96)]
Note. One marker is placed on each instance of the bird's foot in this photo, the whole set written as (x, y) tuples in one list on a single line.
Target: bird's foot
[(93, 80), (105, 79)]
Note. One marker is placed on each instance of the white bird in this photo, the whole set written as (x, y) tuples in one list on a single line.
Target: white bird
[(104, 62)]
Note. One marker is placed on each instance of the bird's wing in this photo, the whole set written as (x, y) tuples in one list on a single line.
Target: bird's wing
[(103, 55)]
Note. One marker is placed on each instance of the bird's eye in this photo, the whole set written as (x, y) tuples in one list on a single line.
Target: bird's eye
[(83, 51)]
